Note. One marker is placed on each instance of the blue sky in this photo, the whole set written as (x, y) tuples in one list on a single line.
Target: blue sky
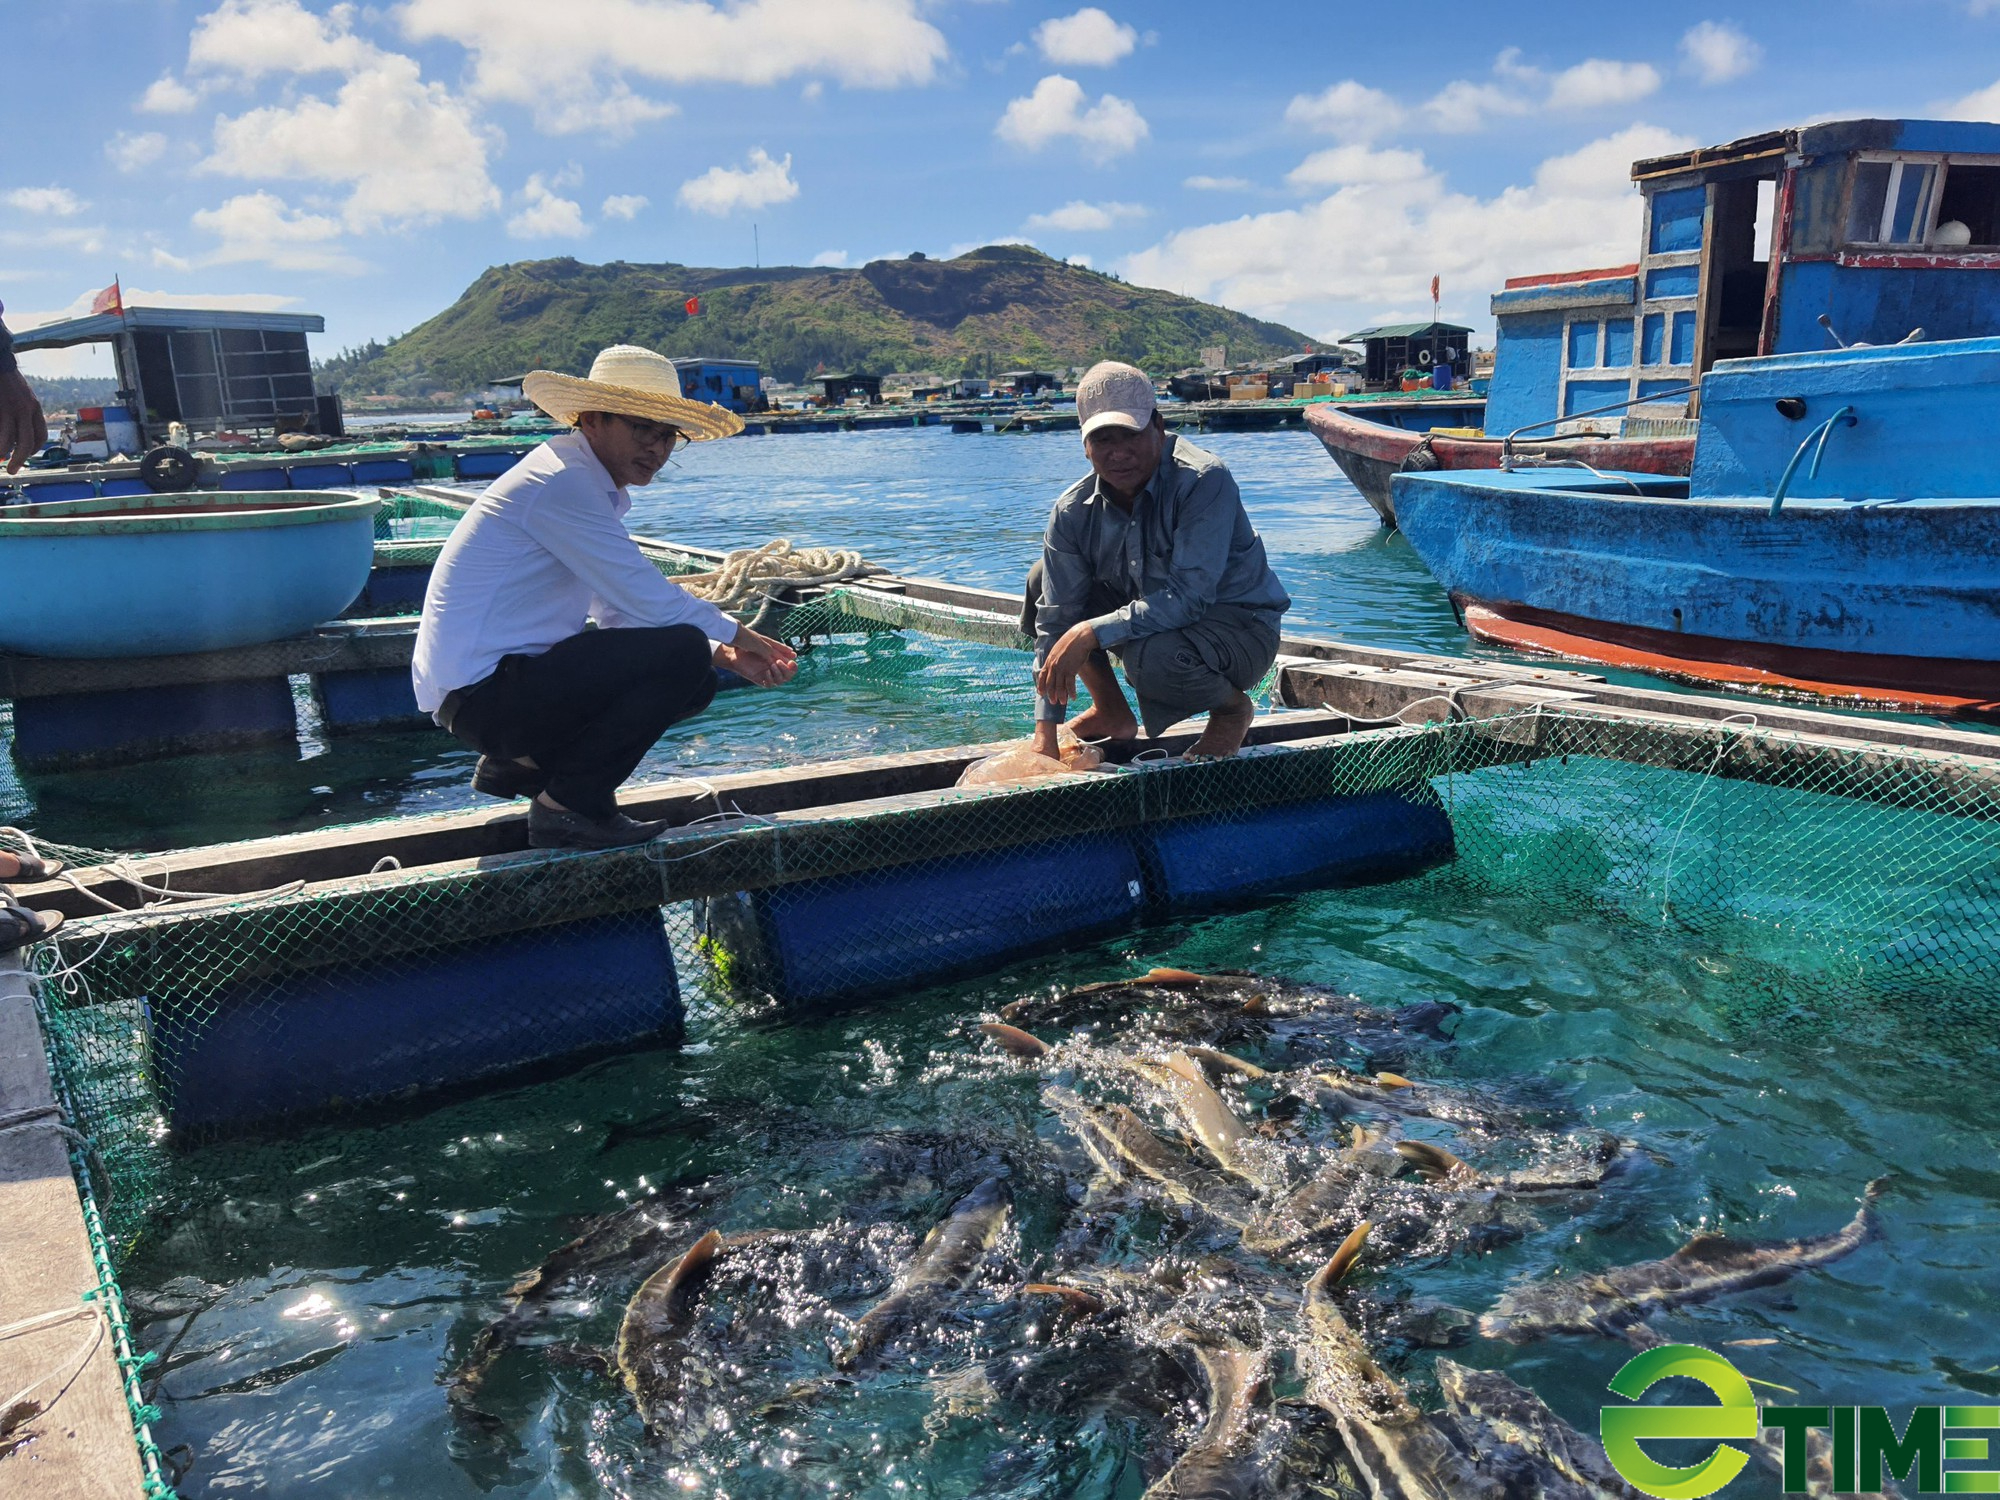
[(1311, 163)]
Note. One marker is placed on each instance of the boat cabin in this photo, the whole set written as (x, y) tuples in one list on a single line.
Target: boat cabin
[(734, 383), (1851, 232), (210, 369), (1394, 348)]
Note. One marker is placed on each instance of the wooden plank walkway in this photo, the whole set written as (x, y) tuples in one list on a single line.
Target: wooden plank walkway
[(81, 1447)]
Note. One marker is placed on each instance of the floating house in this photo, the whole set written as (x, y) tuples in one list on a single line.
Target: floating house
[(734, 383), (1850, 232), (1392, 348), (210, 369), (840, 390), (1027, 382)]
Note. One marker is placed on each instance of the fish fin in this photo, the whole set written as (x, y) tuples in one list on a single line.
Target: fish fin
[(1393, 1081), (1175, 978), (1187, 1068), (1075, 1299), (697, 1258), (1343, 1260), (1015, 1041), (1257, 1005), (1433, 1162)]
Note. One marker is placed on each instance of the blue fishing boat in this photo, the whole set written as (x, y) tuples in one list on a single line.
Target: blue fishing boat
[(1839, 535), (1780, 243), (156, 575)]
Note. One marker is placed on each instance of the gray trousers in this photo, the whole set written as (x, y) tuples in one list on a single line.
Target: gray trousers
[(1177, 673)]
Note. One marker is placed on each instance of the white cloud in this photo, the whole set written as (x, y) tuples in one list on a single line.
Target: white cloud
[(409, 151), (723, 190), (1078, 260), (1204, 184), (83, 239), (546, 214), (1462, 107), (563, 60), (56, 202), (1341, 166), (1596, 82), (1983, 105), (624, 205), (1058, 107), (254, 37), (833, 259), (1717, 52), (1579, 210), (261, 227), (167, 95), (1079, 217), (130, 153), (1349, 109), (1088, 39)]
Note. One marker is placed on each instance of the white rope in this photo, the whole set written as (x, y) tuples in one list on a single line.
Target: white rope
[(118, 869), (753, 572), (70, 1368)]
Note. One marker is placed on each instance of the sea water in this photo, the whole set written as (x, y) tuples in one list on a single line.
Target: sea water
[(310, 1295)]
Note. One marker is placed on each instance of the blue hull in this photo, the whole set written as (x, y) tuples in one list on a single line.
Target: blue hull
[(1896, 596)]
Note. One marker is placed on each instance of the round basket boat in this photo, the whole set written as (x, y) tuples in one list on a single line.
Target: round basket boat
[(155, 575)]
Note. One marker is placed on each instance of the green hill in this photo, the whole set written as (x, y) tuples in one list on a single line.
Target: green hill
[(996, 308)]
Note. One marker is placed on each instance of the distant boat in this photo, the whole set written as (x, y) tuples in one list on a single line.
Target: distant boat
[(1839, 536), (157, 575), (1786, 242)]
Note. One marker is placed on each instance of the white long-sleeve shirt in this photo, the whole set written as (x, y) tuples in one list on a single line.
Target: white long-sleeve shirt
[(541, 552)]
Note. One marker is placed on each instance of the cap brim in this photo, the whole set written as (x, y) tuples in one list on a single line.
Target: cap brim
[(1128, 420), (564, 397)]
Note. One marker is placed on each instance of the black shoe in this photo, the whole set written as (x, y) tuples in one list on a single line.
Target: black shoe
[(549, 828), (508, 778)]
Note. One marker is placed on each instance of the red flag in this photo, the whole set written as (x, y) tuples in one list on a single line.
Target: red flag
[(693, 306), (1434, 289), (110, 300)]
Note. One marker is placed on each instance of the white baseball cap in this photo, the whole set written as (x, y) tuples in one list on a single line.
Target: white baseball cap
[(1114, 395)]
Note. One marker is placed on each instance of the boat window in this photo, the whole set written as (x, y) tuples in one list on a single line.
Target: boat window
[(1970, 196), (1891, 203)]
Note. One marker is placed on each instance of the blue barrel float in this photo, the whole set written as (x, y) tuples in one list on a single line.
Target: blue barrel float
[(319, 1040), (824, 941)]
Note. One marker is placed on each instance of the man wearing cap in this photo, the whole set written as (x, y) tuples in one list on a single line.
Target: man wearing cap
[(504, 659), (1149, 557)]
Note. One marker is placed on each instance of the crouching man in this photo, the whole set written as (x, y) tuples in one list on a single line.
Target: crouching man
[(1150, 558), (504, 661)]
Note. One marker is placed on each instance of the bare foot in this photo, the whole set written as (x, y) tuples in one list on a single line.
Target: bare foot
[(1096, 723), (1227, 726)]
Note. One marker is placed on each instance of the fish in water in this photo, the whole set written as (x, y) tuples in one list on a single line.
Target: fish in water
[(1618, 1302), (1223, 1461), (626, 1239), (1015, 1041), (651, 1339), (1511, 1430), (944, 1262), (1398, 1452), (1123, 1145)]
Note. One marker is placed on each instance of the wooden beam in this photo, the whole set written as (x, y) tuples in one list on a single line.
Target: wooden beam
[(484, 833), (81, 1447)]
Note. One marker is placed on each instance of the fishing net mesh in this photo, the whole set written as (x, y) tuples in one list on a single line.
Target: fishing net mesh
[(1836, 872)]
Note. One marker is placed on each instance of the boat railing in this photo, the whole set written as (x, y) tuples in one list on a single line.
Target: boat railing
[(1507, 442)]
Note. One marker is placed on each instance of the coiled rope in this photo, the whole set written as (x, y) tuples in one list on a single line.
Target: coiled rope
[(753, 573)]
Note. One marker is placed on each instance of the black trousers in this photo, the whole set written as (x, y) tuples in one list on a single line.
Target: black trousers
[(589, 708)]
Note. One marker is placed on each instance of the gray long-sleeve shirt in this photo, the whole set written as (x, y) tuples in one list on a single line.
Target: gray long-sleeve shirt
[(1187, 544)]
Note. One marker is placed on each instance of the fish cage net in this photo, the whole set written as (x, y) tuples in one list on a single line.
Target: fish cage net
[(1832, 872)]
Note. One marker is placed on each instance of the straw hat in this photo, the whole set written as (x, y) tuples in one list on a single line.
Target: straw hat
[(630, 382)]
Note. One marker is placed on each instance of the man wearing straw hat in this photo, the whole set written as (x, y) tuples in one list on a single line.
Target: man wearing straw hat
[(504, 660), (1149, 558)]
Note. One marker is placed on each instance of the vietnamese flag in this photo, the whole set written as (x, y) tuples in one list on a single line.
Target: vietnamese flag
[(693, 306), (110, 300)]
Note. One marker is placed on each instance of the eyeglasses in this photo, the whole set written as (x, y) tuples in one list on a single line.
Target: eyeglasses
[(652, 434)]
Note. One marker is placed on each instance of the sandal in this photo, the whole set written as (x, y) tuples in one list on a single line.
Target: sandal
[(19, 926), (27, 867)]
